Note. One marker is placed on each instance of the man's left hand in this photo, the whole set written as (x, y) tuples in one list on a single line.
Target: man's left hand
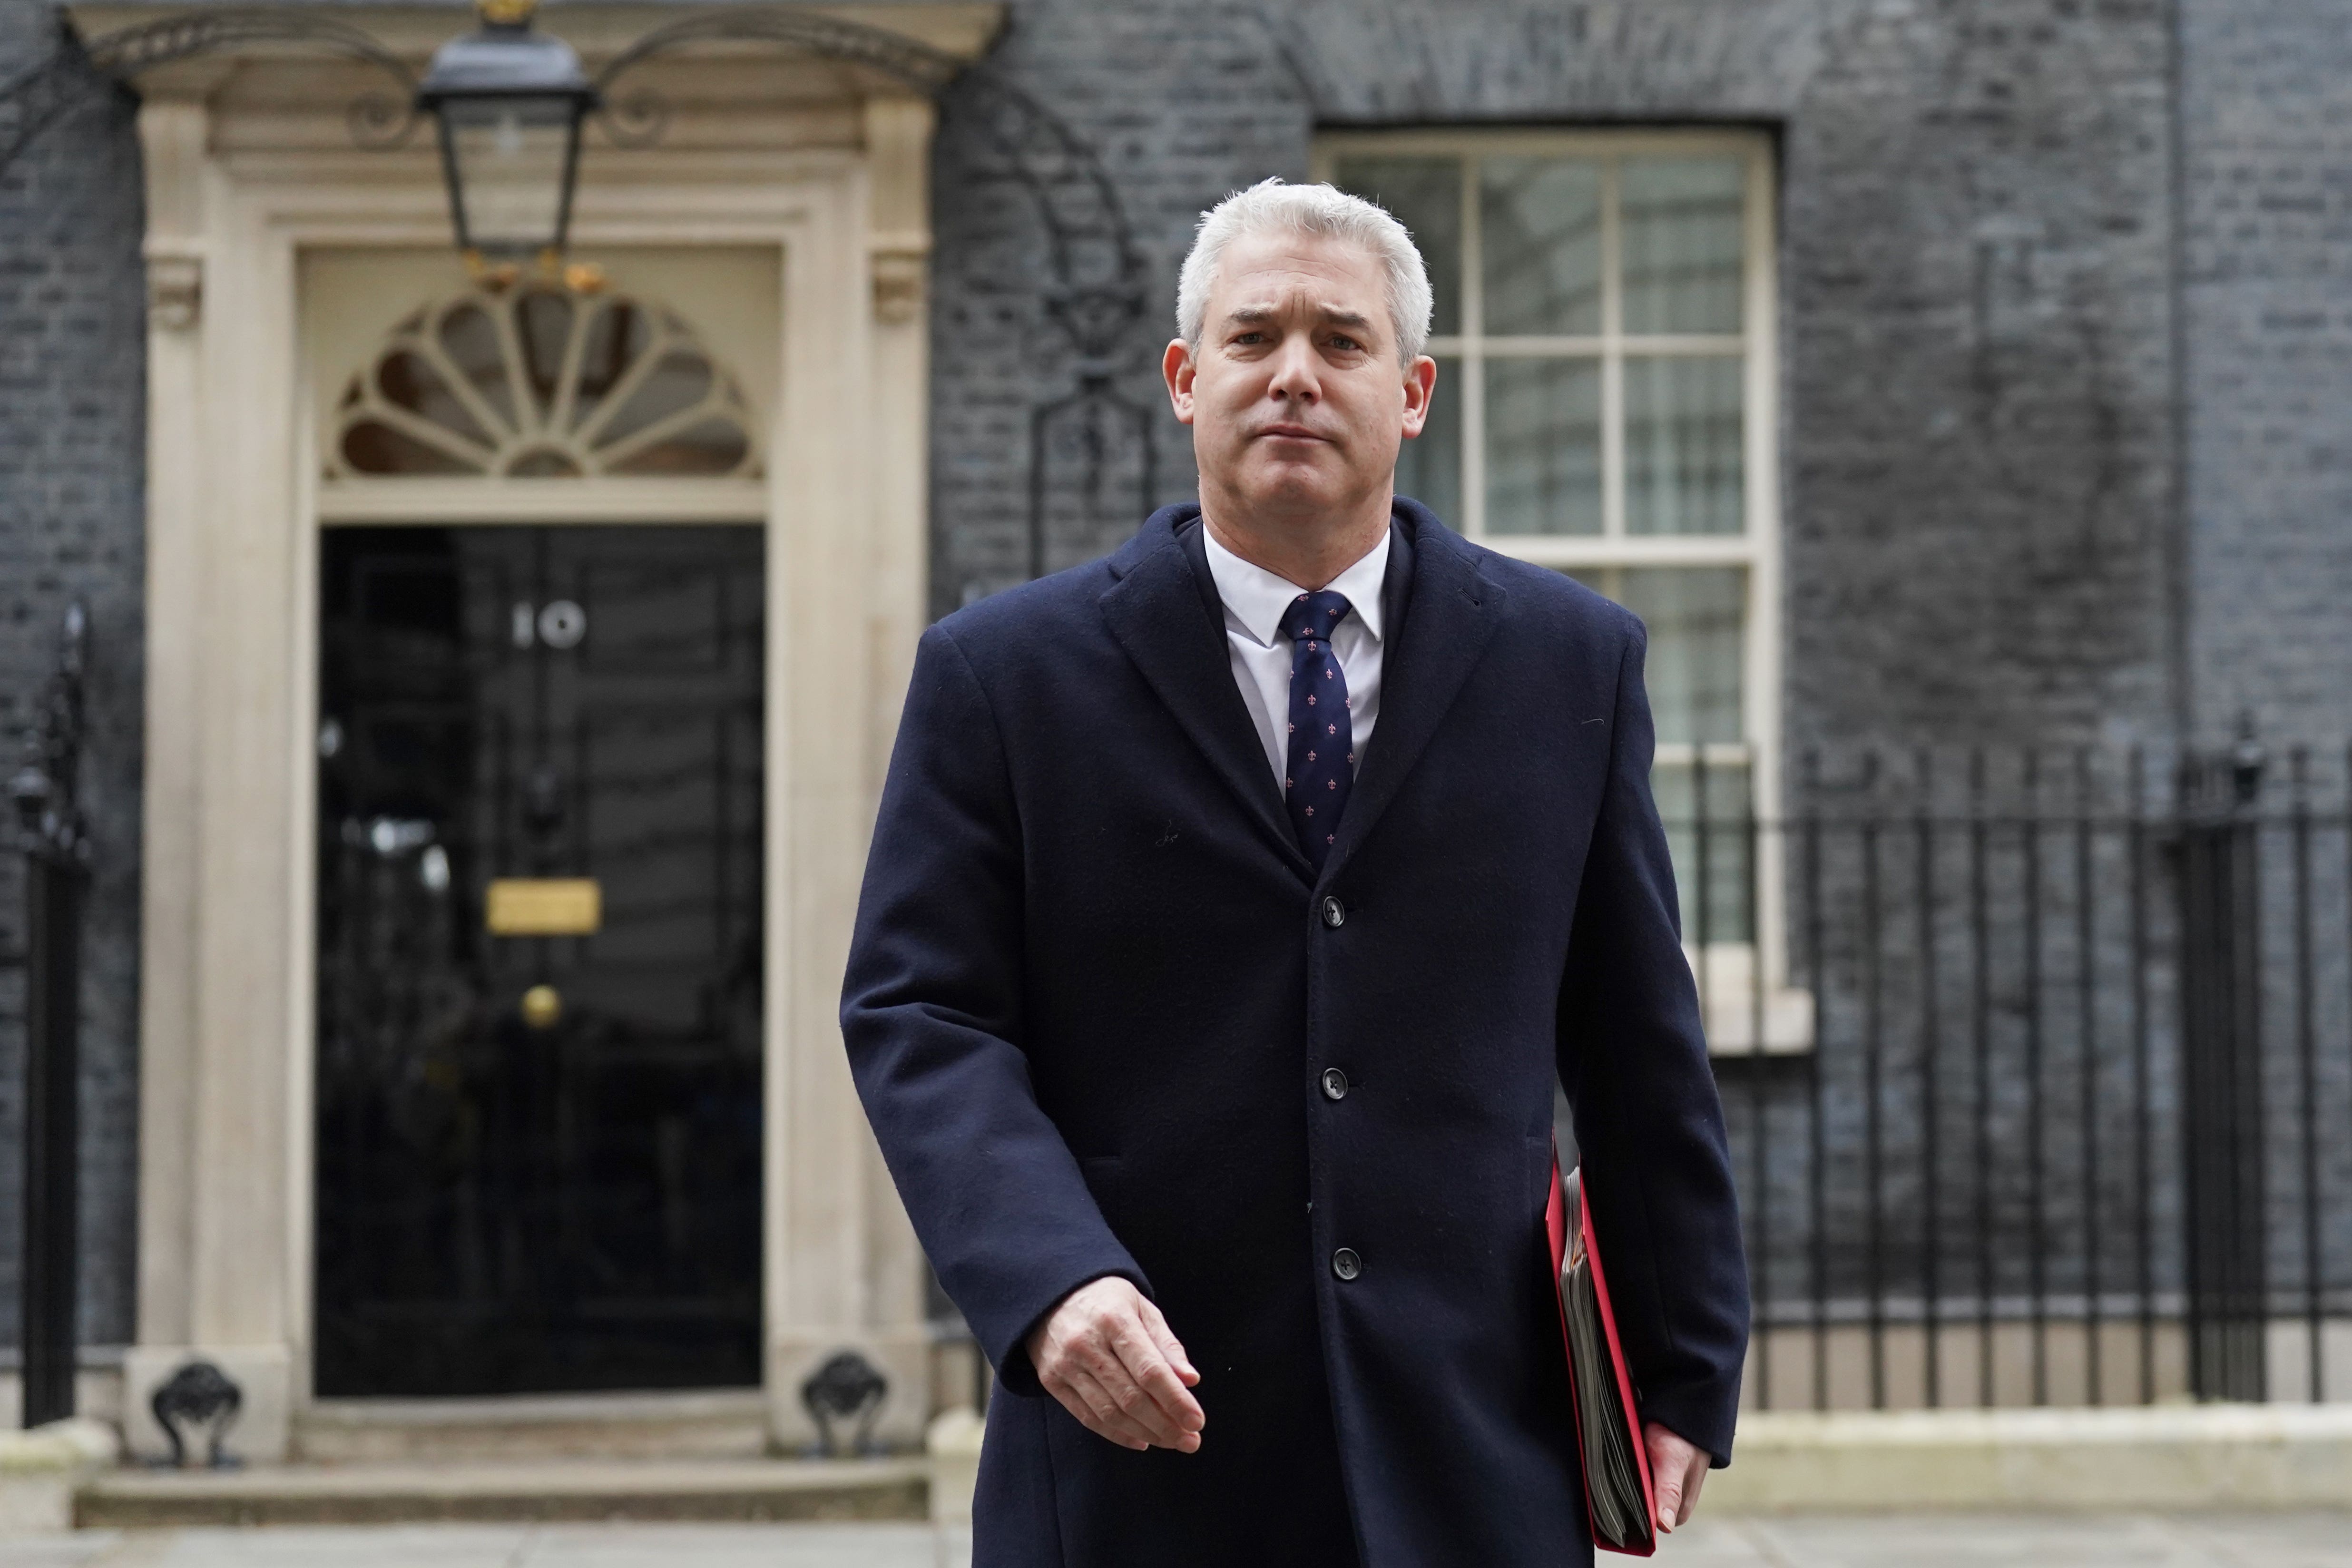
[(1677, 1469)]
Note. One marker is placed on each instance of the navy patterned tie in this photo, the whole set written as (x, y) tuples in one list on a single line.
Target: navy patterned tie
[(1322, 766)]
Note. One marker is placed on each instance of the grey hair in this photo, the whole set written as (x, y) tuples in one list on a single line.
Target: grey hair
[(1271, 205)]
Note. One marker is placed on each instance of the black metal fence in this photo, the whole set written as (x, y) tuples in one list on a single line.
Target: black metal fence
[(54, 843), (2038, 1070)]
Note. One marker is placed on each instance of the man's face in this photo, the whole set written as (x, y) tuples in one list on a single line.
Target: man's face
[(1296, 395)]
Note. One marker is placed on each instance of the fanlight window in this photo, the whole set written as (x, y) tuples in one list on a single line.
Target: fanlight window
[(541, 383)]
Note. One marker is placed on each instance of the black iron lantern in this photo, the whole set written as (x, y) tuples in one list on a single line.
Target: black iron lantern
[(509, 101)]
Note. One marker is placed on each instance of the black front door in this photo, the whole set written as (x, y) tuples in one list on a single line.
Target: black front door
[(539, 1001)]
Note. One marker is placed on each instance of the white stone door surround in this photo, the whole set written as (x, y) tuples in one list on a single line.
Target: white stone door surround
[(816, 174)]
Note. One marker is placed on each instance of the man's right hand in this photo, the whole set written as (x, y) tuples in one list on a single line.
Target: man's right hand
[(1106, 1354)]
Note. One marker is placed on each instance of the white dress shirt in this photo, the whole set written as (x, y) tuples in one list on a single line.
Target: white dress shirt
[(1254, 599)]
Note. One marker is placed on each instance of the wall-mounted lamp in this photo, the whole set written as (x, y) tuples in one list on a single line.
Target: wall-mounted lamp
[(509, 101)]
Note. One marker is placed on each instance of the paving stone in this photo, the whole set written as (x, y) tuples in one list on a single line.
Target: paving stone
[(393, 1546), (2272, 1539), (735, 1546), (2296, 1540), (2092, 1540), (56, 1551), (1713, 1543)]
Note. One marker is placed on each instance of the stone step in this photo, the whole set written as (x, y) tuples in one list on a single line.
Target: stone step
[(508, 1493), (720, 1424), (2160, 1456)]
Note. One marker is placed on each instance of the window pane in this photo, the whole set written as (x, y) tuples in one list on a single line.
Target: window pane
[(1697, 617), (1429, 466), (1697, 621), (1425, 195), (1681, 223), (1543, 445), (1684, 462), (1539, 229), (1715, 799)]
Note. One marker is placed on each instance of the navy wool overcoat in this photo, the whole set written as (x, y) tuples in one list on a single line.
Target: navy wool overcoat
[(1093, 993)]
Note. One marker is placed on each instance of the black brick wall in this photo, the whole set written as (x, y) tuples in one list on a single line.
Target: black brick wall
[(2267, 127), (1182, 102), (72, 446), (1976, 271)]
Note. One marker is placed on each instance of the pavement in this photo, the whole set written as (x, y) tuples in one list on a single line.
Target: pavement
[(2276, 1540), (2279, 1538)]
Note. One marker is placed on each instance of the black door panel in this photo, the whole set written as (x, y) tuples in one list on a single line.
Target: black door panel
[(565, 1196)]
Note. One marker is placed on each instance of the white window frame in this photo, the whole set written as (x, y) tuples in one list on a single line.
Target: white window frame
[(1726, 971)]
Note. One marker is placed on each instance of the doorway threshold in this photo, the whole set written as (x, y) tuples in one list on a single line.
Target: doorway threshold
[(688, 1423), (547, 1491)]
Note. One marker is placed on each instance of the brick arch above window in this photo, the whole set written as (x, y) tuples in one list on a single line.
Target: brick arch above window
[(541, 382)]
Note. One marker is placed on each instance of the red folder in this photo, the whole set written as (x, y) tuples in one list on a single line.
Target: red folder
[(1603, 1399)]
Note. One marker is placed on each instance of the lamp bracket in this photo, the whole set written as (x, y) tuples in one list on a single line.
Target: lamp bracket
[(377, 120), (1100, 287)]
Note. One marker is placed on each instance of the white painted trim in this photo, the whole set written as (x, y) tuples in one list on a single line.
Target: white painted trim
[(439, 503), (235, 504), (1743, 1020), (961, 27), (1682, 345), (1468, 347), (1613, 353), (1717, 753), (301, 884), (1333, 144), (171, 138), (1767, 606), (1572, 550)]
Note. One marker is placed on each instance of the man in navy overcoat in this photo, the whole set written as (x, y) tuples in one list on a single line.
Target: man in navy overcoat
[(1236, 902)]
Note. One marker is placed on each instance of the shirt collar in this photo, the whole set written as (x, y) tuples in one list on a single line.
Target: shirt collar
[(1255, 598)]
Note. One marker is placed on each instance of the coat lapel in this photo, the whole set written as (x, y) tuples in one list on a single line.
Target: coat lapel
[(1157, 612), (1450, 615)]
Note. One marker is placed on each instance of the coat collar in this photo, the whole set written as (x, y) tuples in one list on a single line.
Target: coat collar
[(1158, 611), (1450, 612)]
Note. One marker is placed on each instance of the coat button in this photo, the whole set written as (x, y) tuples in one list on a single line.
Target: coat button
[(1335, 914), (1335, 1084), (1345, 1264)]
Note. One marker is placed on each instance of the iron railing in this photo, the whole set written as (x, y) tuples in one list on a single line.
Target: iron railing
[(2037, 1067), (2037, 1073), (55, 841)]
